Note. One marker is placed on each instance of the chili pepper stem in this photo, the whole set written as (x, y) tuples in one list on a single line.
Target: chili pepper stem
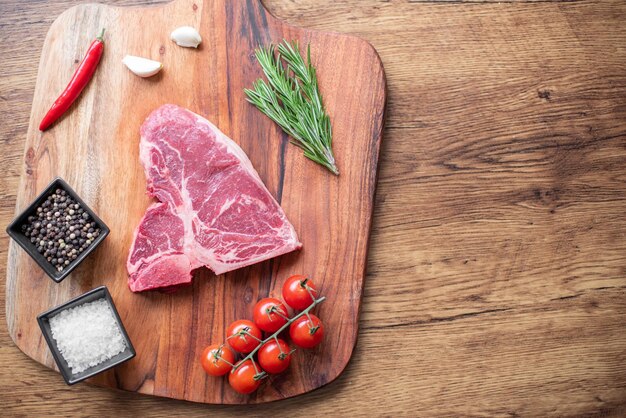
[(101, 36)]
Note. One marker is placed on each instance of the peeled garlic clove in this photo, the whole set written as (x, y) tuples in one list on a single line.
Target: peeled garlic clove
[(186, 36), (142, 67)]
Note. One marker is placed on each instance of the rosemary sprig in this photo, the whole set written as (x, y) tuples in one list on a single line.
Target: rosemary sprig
[(292, 99)]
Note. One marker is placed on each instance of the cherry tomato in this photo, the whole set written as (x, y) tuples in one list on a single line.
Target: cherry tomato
[(243, 379), (215, 359), (296, 292), (275, 357), (269, 314), (238, 340), (306, 333)]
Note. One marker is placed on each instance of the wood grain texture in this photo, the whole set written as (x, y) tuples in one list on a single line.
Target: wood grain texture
[(94, 147), (500, 295)]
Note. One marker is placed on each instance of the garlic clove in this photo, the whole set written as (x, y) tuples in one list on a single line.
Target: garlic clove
[(186, 36), (142, 67)]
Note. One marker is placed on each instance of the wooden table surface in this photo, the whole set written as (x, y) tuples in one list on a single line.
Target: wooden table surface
[(496, 281)]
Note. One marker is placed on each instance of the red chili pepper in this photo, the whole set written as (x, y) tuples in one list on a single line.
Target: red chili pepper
[(81, 77)]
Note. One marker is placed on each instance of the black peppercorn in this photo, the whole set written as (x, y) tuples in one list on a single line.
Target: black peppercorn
[(60, 229)]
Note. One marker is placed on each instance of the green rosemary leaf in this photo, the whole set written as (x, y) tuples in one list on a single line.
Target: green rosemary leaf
[(291, 98)]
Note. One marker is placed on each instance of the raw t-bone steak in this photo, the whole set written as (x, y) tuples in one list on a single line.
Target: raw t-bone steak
[(213, 210)]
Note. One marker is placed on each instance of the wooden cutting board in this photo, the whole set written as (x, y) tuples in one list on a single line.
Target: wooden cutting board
[(95, 148)]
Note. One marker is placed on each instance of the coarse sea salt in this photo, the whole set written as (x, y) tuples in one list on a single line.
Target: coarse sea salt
[(87, 335)]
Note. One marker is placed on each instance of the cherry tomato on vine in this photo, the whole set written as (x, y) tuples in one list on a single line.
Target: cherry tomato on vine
[(244, 379), (296, 292), (237, 338), (275, 357), (269, 314), (305, 332), (215, 359)]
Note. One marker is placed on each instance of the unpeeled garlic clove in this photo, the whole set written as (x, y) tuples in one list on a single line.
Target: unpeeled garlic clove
[(142, 67), (186, 36)]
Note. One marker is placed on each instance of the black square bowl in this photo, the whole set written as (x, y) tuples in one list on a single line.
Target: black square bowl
[(15, 232), (44, 323)]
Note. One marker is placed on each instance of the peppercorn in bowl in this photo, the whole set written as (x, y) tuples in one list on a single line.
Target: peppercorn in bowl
[(58, 230)]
